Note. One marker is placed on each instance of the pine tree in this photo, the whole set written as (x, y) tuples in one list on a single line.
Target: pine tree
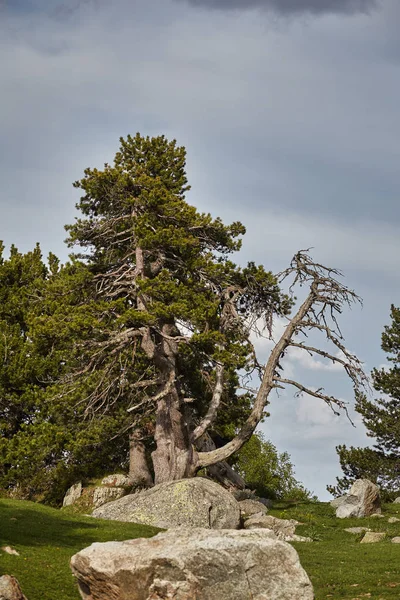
[(381, 417), (168, 315)]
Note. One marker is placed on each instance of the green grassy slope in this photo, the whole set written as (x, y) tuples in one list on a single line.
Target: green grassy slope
[(46, 539), (338, 565)]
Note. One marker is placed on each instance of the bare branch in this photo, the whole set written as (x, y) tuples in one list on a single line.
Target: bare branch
[(214, 405)]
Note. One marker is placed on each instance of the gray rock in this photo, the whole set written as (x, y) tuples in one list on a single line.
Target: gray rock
[(363, 500), (248, 508), (73, 494), (377, 516), (297, 538), (357, 529), (196, 502), (393, 520), (396, 500), (10, 589), (245, 494), (396, 540), (371, 537), (266, 501), (336, 502), (117, 480), (193, 564), (102, 495), (281, 527)]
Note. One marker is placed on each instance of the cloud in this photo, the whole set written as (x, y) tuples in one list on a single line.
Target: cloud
[(290, 6)]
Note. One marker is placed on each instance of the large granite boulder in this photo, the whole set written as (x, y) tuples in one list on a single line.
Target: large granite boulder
[(336, 502), (73, 494), (363, 500), (10, 589), (193, 564), (196, 502)]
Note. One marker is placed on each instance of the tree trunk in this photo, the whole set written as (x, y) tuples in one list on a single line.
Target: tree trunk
[(221, 471), (139, 472), (174, 457)]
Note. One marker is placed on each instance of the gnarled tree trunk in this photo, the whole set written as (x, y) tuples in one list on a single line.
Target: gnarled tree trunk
[(174, 457), (139, 472)]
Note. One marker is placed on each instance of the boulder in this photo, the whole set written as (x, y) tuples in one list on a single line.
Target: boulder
[(266, 501), (283, 528), (117, 480), (196, 502), (73, 494), (102, 495), (336, 502), (396, 540), (396, 500), (393, 520), (363, 500), (371, 537), (193, 564), (246, 494), (248, 508), (357, 529), (10, 589)]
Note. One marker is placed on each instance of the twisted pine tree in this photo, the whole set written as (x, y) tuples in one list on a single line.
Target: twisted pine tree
[(381, 417), (168, 315)]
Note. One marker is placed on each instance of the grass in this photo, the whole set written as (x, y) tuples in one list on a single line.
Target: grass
[(46, 538), (338, 565)]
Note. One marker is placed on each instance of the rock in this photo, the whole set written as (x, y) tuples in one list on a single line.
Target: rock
[(9, 550), (396, 500), (357, 529), (281, 527), (102, 495), (248, 508), (266, 501), (241, 495), (245, 494), (393, 520), (371, 537), (73, 494), (297, 538), (10, 589), (193, 564), (336, 502), (377, 516), (196, 502), (363, 500), (117, 480), (396, 540)]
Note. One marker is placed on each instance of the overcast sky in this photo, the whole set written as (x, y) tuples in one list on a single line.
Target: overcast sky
[(289, 110)]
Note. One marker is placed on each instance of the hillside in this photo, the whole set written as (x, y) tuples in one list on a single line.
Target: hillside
[(339, 567)]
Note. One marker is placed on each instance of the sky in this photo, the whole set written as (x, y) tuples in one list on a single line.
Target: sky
[(289, 111)]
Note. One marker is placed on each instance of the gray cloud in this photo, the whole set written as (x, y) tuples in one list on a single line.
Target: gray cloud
[(291, 6)]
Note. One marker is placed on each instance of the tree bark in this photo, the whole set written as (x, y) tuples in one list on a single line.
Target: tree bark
[(221, 471), (139, 472), (174, 457)]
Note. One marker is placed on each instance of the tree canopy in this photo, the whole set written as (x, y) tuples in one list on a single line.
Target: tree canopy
[(142, 343)]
